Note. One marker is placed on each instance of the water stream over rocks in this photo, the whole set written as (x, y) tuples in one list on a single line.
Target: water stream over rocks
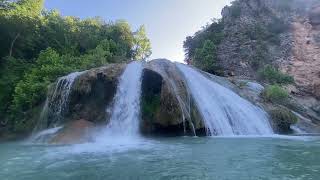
[(224, 112)]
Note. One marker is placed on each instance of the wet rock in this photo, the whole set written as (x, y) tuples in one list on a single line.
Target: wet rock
[(160, 108), (74, 133), (167, 108), (93, 92)]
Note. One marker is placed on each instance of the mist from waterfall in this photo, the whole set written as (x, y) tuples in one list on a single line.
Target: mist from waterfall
[(223, 111)]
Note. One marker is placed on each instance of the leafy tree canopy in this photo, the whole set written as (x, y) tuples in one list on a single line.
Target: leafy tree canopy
[(38, 46)]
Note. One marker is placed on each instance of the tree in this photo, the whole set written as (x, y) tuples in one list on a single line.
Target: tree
[(18, 27), (142, 45), (39, 46), (212, 32), (205, 57)]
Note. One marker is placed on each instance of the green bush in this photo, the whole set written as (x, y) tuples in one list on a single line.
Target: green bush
[(11, 72), (283, 119), (201, 48), (274, 76), (205, 57), (275, 94)]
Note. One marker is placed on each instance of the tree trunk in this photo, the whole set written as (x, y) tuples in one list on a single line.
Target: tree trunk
[(12, 44)]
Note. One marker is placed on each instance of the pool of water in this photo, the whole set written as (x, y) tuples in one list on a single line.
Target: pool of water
[(166, 158)]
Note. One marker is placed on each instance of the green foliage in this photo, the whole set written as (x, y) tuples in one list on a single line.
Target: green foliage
[(32, 88), (275, 94), (205, 57), (38, 46), (201, 49), (283, 119), (11, 72), (18, 28), (142, 45), (274, 76)]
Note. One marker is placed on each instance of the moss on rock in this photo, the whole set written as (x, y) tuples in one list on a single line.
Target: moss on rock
[(283, 118)]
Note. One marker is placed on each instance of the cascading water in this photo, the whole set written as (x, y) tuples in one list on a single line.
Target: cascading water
[(184, 105), (60, 98), (124, 121), (55, 107), (223, 111)]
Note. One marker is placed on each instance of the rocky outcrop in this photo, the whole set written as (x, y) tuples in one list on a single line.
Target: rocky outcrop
[(75, 132), (92, 92), (304, 108), (247, 44), (86, 98), (167, 107), (284, 34), (304, 64)]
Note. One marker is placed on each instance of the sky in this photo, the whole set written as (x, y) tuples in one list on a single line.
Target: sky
[(168, 22)]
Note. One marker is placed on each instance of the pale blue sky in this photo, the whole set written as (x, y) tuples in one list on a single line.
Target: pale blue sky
[(168, 22)]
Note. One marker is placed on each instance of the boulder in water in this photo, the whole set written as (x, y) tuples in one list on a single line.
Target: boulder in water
[(74, 133), (283, 118)]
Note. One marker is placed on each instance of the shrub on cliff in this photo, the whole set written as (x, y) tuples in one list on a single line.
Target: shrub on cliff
[(283, 119), (206, 56), (275, 94), (274, 76), (201, 49)]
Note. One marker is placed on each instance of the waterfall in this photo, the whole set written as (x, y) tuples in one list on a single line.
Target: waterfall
[(60, 97), (124, 121), (184, 104), (223, 111), (55, 106)]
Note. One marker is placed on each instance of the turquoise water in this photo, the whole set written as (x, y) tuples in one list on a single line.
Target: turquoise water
[(169, 158)]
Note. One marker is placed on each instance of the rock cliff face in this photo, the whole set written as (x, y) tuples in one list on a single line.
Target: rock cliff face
[(285, 34), (87, 98)]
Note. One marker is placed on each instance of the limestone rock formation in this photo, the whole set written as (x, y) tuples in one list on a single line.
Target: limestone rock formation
[(167, 107), (93, 92)]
